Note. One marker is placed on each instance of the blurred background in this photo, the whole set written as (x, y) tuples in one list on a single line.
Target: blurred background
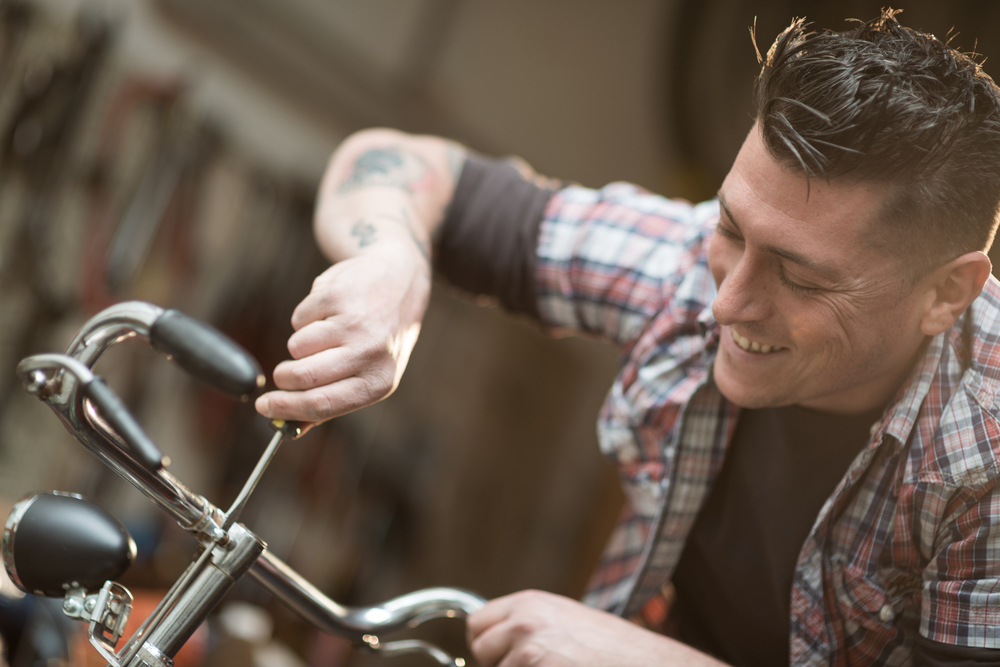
[(169, 151)]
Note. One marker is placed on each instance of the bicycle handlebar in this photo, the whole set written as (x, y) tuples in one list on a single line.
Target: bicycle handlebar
[(67, 384), (206, 354)]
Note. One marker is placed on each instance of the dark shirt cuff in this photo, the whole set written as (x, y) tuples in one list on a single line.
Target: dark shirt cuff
[(489, 237)]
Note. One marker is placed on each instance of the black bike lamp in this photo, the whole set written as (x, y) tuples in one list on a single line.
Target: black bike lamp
[(54, 542)]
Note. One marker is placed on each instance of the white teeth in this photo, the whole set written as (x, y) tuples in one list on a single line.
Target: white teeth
[(753, 345)]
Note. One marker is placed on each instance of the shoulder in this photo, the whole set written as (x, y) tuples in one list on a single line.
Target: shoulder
[(623, 226)]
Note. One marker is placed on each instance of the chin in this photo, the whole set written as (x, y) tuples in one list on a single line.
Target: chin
[(743, 394)]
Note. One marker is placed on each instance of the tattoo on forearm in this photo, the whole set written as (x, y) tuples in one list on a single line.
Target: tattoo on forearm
[(385, 167), (403, 219), (365, 233)]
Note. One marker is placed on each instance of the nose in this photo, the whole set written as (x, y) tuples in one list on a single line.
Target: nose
[(742, 289)]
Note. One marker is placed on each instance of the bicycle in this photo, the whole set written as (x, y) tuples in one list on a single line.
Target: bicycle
[(60, 545)]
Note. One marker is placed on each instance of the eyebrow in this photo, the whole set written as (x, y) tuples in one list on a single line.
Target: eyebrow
[(795, 257)]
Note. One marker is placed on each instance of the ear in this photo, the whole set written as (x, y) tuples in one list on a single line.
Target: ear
[(952, 288)]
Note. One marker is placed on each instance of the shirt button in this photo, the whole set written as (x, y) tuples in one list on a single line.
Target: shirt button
[(886, 613)]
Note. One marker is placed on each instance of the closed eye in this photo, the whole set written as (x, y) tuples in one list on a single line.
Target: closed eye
[(727, 233), (795, 287)]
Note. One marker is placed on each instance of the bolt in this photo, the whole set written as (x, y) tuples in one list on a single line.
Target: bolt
[(35, 382), (71, 606), (89, 604)]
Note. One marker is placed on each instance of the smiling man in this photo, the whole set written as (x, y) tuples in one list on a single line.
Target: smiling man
[(806, 420)]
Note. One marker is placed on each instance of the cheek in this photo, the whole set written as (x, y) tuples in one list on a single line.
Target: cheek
[(823, 325)]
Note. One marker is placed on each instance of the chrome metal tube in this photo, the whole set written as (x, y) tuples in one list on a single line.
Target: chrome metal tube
[(228, 564), (113, 325), (90, 430), (354, 622)]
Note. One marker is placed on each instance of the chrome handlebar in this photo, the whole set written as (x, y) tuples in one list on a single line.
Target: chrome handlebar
[(229, 549)]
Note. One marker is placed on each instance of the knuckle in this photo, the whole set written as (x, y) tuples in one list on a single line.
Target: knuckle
[(529, 653), (305, 375), (319, 407), (525, 626), (366, 394), (378, 384), (300, 343)]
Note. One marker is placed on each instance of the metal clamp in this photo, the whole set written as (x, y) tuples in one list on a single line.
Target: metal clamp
[(107, 611)]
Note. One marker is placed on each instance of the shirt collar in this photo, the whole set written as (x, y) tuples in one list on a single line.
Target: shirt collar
[(901, 417)]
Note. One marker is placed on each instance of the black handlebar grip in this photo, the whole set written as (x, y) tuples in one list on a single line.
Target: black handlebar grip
[(207, 354), (115, 412)]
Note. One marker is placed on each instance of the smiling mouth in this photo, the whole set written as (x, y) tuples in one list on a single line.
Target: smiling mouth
[(752, 345)]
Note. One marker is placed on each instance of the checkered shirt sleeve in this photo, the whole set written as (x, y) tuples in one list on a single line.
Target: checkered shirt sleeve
[(607, 257)]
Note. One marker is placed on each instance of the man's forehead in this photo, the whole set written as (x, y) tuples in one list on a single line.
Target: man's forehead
[(823, 225), (790, 191)]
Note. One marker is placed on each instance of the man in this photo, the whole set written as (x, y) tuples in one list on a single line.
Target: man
[(806, 423)]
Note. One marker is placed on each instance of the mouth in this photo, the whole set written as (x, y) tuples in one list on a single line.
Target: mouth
[(753, 346)]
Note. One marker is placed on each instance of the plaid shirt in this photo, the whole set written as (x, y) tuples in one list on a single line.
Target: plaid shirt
[(910, 538)]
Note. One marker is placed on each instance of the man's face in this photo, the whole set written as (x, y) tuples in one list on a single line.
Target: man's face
[(796, 277)]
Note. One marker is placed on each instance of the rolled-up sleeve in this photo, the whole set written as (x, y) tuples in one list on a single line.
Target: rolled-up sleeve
[(610, 259)]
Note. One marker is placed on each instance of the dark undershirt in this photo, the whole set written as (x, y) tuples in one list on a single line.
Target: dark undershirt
[(487, 246), (734, 578), (488, 239)]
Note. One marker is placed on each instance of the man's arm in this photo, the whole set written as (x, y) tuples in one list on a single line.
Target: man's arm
[(382, 197)]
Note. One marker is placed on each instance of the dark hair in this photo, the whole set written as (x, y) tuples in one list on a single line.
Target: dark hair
[(888, 104)]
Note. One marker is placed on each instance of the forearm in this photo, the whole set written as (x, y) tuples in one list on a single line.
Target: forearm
[(382, 197), (386, 192)]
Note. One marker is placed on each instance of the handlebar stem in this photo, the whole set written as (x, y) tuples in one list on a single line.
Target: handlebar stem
[(227, 564)]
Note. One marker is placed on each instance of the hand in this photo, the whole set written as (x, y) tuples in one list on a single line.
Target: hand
[(353, 337), (537, 629)]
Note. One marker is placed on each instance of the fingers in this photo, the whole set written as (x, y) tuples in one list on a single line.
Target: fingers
[(498, 633), (321, 302), (489, 635), (494, 644), (329, 383), (316, 337), (492, 613), (349, 345), (320, 404), (323, 368)]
